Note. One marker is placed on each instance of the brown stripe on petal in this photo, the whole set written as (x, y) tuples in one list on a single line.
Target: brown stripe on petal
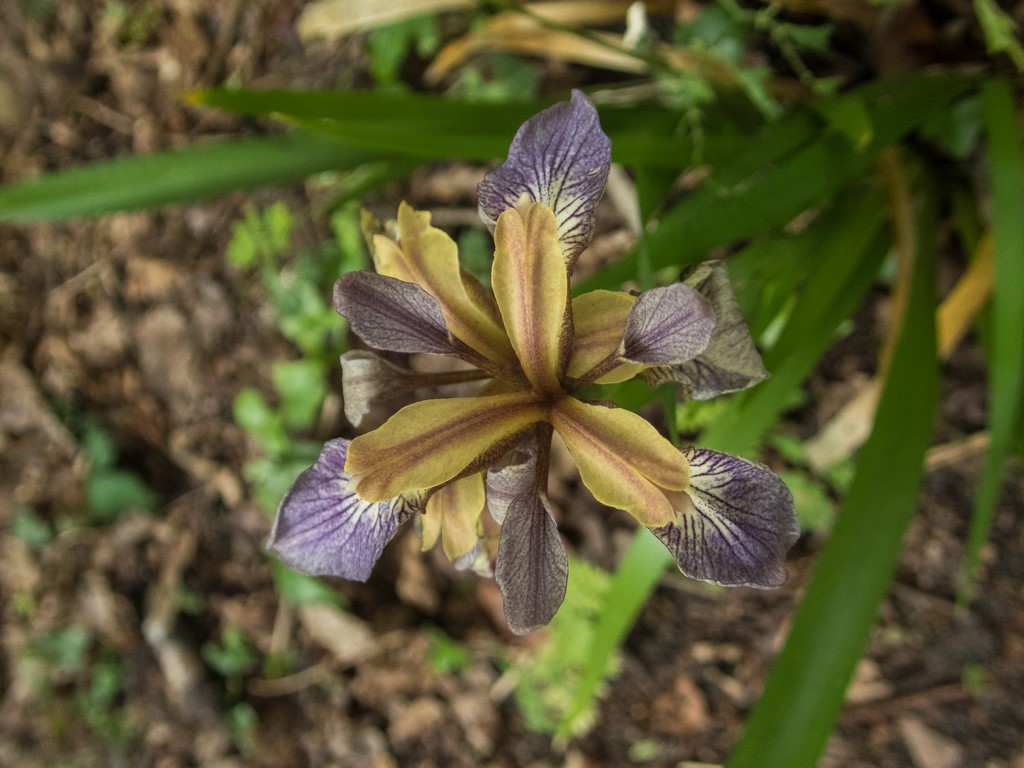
[(455, 510), (429, 443), (531, 286), (622, 459), (599, 320), (429, 257)]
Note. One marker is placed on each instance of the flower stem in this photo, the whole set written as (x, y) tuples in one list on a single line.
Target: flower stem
[(610, 363)]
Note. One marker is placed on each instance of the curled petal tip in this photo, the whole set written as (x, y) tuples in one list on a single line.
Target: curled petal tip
[(730, 362), (668, 325)]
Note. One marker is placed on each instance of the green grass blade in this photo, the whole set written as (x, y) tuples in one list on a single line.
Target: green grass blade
[(181, 175), (757, 190), (433, 128), (848, 253), (1006, 358), (805, 687)]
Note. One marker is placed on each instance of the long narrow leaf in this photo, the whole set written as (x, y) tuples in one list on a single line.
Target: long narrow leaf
[(752, 194), (181, 175), (430, 127), (804, 690), (848, 255), (1006, 362)]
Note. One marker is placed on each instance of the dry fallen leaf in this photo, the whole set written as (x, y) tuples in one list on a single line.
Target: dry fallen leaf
[(347, 638), (332, 19), (929, 749)]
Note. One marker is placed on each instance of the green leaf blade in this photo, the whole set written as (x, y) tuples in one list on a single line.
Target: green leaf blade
[(1006, 363), (805, 687), (181, 175)]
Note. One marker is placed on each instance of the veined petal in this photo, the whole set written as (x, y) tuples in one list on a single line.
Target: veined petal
[(731, 362), (559, 157), (734, 523), (531, 286), (429, 443), (453, 512), (599, 320), (622, 459), (532, 568), (505, 484), (391, 314), (324, 529), (668, 325), (426, 256)]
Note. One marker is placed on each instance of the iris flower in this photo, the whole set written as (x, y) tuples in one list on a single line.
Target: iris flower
[(527, 349)]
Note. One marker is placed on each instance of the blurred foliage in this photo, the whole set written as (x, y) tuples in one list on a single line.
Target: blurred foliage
[(110, 491), (447, 656), (548, 678), (233, 658), (297, 289), (31, 528), (54, 660), (389, 45)]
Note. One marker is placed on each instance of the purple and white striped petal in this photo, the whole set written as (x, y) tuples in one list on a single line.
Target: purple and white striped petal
[(731, 362), (734, 524), (560, 158), (324, 529), (392, 315), (668, 326), (532, 568)]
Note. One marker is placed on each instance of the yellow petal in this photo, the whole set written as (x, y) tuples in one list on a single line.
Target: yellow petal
[(623, 460), (428, 443), (426, 256), (431, 528), (453, 512), (599, 319), (531, 286)]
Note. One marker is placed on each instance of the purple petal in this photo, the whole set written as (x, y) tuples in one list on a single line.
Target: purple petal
[(731, 362), (323, 529), (559, 157), (736, 524), (505, 484), (392, 315), (668, 325), (532, 568)]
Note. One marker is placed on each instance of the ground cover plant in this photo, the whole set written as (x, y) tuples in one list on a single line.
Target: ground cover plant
[(167, 376)]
